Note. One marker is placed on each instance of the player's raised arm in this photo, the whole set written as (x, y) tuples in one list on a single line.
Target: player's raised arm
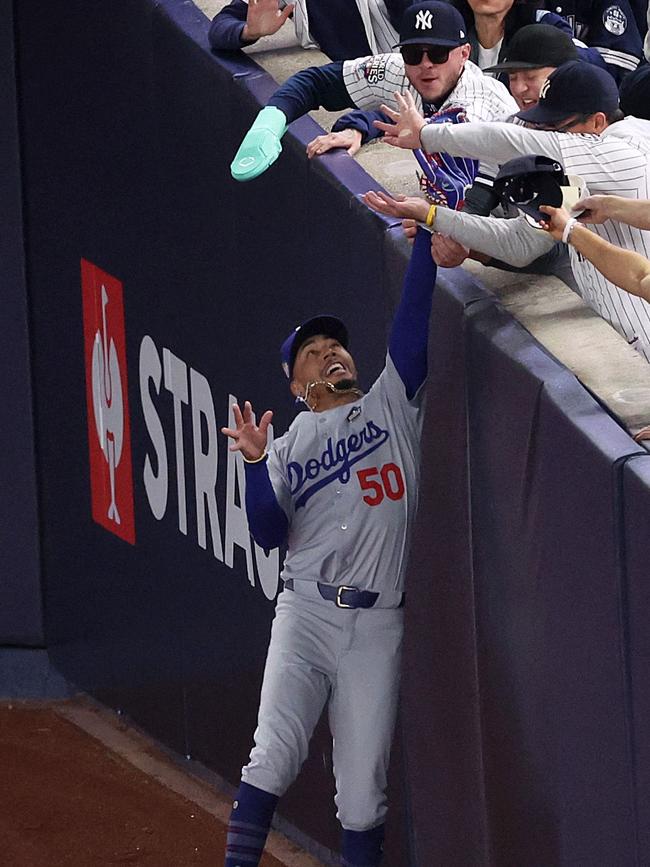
[(410, 330), (267, 520)]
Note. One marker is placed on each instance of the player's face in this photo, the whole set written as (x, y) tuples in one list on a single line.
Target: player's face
[(525, 85), (322, 358), (435, 80)]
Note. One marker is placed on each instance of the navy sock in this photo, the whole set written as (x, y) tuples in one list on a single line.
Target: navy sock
[(362, 848), (249, 825)]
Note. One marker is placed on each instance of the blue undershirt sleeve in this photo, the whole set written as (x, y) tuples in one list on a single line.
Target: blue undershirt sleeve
[(362, 120), (309, 89), (226, 28), (267, 520), (409, 334)]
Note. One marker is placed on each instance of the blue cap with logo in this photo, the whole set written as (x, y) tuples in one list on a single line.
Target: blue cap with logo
[(432, 23), (574, 88), (330, 326)]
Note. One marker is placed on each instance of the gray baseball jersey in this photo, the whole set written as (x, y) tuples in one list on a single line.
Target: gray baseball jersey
[(348, 480), (617, 162)]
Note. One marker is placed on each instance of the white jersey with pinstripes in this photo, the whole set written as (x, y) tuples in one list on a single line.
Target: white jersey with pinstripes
[(371, 81), (617, 162)]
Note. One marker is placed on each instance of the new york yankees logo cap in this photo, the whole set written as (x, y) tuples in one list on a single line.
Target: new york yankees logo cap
[(432, 23), (330, 326), (575, 88)]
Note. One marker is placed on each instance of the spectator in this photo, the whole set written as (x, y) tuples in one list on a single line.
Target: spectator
[(340, 28), (580, 102), (614, 29), (625, 268), (634, 92), (432, 64), (492, 24)]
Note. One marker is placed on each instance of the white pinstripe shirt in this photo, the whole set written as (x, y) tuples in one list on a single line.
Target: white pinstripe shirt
[(371, 81), (614, 163)]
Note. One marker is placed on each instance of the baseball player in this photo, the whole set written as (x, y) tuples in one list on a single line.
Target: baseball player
[(432, 64), (340, 490), (341, 29), (580, 103)]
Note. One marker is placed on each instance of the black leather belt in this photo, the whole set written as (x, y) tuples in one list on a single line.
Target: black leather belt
[(343, 596)]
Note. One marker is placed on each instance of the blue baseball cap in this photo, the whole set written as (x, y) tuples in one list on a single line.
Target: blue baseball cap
[(432, 23), (330, 326), (575, 87), (635, 92)]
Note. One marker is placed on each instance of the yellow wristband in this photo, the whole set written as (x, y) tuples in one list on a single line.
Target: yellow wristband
[(262, 457), (431, 215)]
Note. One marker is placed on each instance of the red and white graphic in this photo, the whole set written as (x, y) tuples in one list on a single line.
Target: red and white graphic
[(109, 430)]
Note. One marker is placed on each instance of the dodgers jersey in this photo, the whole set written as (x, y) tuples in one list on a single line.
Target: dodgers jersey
[(347, 479)]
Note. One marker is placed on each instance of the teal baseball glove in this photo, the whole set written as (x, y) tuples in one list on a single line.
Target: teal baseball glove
[(261, 145)]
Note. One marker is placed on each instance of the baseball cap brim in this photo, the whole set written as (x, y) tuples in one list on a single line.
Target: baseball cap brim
[(541, 114), (432, 40), (512, 65)]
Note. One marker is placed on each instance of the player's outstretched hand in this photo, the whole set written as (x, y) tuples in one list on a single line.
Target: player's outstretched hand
[(558, 218), (350, 139), (264, 18), (407, 124), (402, 207), (261, 145), (248, 438), (446, 252)]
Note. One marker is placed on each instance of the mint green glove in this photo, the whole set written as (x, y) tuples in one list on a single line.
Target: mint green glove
[(261, 146)]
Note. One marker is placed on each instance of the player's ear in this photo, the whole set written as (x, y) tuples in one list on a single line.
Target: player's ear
[(296, 388), (465, 51)]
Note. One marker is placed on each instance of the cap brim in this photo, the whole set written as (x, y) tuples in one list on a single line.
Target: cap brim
[(540, 114), (431, 40), (510, 65)]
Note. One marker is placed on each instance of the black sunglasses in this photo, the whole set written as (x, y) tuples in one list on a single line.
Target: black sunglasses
[(413, 54)]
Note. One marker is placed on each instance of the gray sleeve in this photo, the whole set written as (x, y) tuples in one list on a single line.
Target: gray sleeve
[(493, 142), (513, 241)]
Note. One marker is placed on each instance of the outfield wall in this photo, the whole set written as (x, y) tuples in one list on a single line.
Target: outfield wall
[(159, 291)]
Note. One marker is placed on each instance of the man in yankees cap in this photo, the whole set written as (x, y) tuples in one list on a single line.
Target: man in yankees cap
[(432, 63), (340, 489), (584, 132)]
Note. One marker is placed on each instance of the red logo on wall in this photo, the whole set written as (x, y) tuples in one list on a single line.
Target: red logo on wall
[(107, 402)]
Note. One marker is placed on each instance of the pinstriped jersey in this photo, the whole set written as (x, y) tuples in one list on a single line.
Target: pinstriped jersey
[(617, 162), (347, 479), (373, 80)]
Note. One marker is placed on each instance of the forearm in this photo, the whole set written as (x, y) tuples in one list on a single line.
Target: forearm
[(225, 32), (624, 268), (410, 330), (513, 241), (309, 89), (494, 141), (267, 520), (634, 212), (363, 122)]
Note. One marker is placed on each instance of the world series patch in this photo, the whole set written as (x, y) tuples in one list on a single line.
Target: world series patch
[(375, 70), (615, 20)]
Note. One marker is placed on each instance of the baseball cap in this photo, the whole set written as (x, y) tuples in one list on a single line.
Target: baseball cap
[(331, 326), (432, 23), (635, 92), (575, 87), (534, 46), (529, 182)]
